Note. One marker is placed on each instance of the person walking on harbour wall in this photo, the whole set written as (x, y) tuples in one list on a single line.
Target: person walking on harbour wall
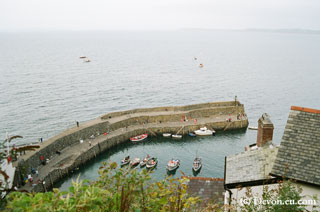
[(77, 123)]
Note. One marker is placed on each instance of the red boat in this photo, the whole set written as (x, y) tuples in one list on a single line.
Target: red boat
[(139, 137)]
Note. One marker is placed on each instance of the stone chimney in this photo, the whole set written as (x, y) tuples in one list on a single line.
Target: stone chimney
[(265, 130)]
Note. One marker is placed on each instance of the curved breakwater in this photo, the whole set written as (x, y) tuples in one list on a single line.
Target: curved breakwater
[(115, 128)]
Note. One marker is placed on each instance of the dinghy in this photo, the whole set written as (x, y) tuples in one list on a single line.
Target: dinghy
[(134, 162), (144, 161), (192, 134), (166, 135), (173, 164), (152, 162), (125, 161), (175, 136), (197, 164), (139, 138)]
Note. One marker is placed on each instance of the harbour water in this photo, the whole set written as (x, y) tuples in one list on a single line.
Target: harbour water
[(45, 87)]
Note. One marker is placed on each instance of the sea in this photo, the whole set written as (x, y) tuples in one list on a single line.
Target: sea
[(45, 87)]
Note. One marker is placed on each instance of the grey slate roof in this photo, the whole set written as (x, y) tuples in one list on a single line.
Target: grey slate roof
[(299, 153), (250, 165), (208, 189)]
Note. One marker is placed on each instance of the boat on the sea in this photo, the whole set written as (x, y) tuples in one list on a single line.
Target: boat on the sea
[(152, 162), (139, 138), (87, 61), (204, 131), (166, 135), (176, 136), (125, 161), (197, 164), (201, 65), (144, 161), (252, 128), (192, 134), (83, 57), (173, 164), (134, 162)]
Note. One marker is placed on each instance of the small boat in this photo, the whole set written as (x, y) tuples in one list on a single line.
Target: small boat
[(177, 136), (197, 164), (252, 128), (173, 164), (204, 131), (139, 138), (83, 57), (192, 134), (125, 161), (87, 61), (166, 135), (201, 65), (144, 161), (152, 162), (135, 162)]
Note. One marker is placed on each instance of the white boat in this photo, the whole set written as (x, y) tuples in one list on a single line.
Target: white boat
[(144, 161), (204, 131), (173, 164), (152, 163), (197, 164), (177, 136), (134, 162), (252, 128), (166, 135), (125, 161)]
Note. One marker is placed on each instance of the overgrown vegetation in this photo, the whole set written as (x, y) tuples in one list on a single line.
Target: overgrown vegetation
[(116, 189), (124, 190)]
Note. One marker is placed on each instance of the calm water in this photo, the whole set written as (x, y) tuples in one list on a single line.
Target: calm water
[(45, 87)]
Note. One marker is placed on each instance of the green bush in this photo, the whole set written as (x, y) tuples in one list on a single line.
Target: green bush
[(116, 189)]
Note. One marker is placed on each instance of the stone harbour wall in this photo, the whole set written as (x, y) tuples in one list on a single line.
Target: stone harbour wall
[(132, 123)]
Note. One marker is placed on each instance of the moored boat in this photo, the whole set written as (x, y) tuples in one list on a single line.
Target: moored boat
[(204, 131), (173, 164), (197, 164), (252, 128), (83, 57), (192, 134), (139, 138), (166, 135), (177, 136), (152, 162), (125, 161), (144, 161), (134, 162)]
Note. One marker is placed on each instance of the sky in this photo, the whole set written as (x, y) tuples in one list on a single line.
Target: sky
[(158, 15)]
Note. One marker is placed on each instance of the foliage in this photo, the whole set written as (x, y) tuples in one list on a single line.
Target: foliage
[(117, 189), (274, 200), (125, 189), (3, 156)]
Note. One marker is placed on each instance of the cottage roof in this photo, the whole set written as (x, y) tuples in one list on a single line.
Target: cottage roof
[(206, 188), (299, 153), (252, 165)]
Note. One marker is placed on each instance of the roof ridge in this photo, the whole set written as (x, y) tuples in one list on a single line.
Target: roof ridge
[(305, 109)]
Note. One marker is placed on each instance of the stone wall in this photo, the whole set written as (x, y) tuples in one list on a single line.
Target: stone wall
[(173, 108), (64, 140), (59, 173)]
